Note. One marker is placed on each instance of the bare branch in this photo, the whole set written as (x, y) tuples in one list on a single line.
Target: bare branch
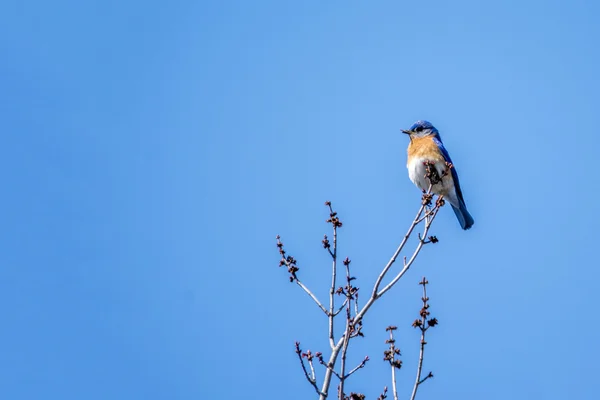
[(342, 344), (347, 334), (376, 293), (398, 250), (312, 369), (312, 296), (427, 214), (354, 315), (423, 324), (343, 362), (359, 366), (322, 362), (414, 256), (390, 356), (383, 395), (394, 390), (429, 375), (342, 307), (335, 222), (329, 371), (290, 263), (312, 380)]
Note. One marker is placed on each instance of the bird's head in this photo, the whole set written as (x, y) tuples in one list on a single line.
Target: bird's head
[(421, 129)]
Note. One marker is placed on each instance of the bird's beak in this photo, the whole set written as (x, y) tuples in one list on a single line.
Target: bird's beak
[(407, 132)]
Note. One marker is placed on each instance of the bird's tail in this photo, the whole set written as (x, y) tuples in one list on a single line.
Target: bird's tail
[(464, 218)]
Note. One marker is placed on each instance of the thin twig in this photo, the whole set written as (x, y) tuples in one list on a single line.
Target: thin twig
[(429, 375), (419, 367), (399, 249), (414, 256), (322, 362), (312, 296), (376, 293), (313, 380), (343, 361), (312, 369), (347, 333), (383, 394), (359, 366), (333, 274), (390, 356), (427, 214), (394, 390), (342, 307), (424, 325), (290, 263)]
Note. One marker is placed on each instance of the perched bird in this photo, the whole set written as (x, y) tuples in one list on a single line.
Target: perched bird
[(426, 146)]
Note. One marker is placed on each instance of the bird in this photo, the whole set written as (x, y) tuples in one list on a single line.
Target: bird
[(426, 147)]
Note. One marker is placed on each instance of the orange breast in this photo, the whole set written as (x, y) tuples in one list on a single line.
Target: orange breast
[(424, 147)]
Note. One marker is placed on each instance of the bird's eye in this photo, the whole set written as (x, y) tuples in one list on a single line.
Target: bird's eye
[(419, 129)]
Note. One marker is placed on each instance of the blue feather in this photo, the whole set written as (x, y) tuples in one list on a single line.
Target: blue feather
[(464, 218)]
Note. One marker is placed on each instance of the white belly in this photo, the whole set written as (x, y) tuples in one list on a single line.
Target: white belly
[(417, 174)]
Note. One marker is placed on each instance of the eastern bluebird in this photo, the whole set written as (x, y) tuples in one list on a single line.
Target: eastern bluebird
[(426, 145)]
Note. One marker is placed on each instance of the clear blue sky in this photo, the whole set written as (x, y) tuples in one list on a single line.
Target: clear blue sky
[(151, 151)]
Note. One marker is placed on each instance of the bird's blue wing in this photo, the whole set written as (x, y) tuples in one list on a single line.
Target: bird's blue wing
[(444, 152), (464, 218)]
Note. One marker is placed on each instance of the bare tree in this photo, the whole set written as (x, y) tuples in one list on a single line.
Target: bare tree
[(350, 309)]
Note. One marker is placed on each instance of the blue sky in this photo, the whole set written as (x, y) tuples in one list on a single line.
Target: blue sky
[(151, 151)]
